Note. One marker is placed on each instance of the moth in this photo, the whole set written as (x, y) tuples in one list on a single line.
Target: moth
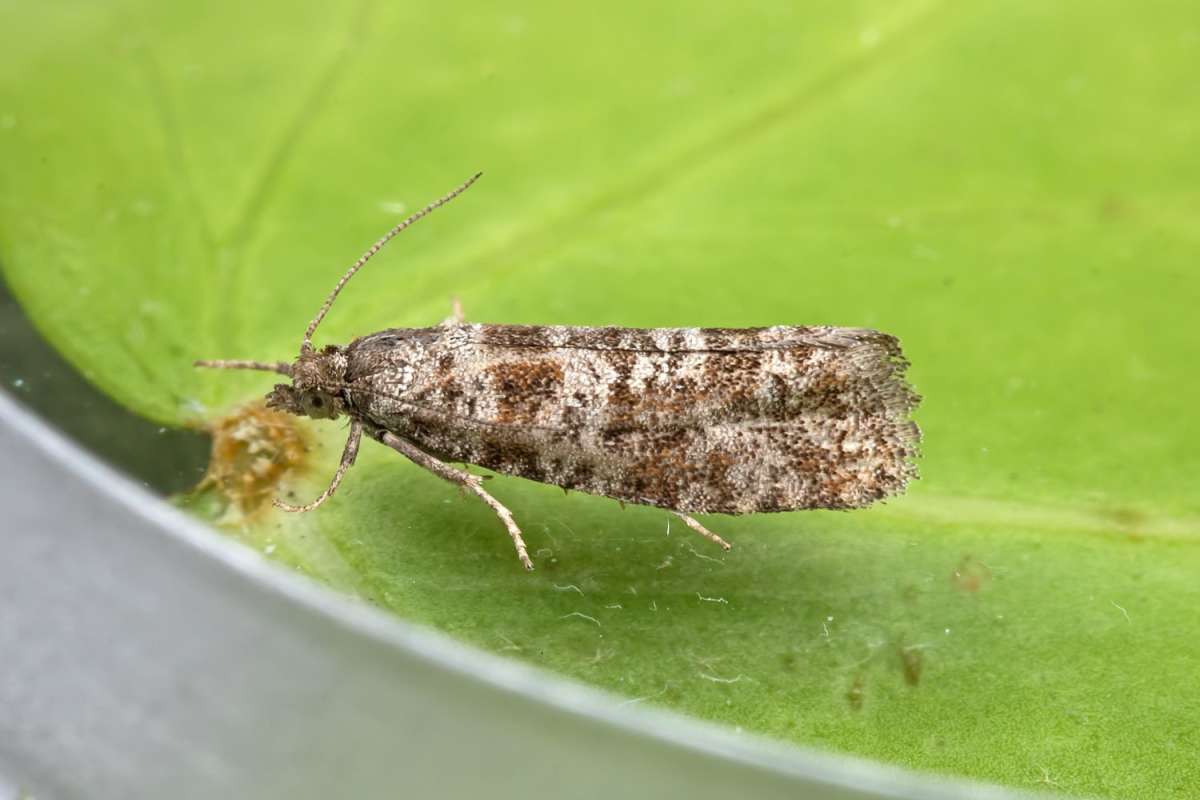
[(691, 420)]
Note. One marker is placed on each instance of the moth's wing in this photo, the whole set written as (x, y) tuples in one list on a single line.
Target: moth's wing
[(692, 419), (666, 340), (665, 378)]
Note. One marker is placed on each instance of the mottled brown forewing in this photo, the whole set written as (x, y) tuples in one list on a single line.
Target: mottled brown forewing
[(689, 419)]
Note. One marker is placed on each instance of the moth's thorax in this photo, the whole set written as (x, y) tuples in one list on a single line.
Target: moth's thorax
[(396, 359)]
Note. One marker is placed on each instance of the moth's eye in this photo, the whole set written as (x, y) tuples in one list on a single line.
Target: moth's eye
[(318, 402)]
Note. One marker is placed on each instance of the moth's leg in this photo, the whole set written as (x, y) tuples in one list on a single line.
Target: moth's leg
[(348, 456), (703, 531), (463, 479), (456, 314)]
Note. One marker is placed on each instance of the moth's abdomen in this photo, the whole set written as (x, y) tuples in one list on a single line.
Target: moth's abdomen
[(813, 418)]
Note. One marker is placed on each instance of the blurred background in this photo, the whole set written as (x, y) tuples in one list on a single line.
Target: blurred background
[(1011, 188)]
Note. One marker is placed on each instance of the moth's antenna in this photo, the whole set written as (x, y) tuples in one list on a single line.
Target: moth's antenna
[(306, 345), (264, 366)]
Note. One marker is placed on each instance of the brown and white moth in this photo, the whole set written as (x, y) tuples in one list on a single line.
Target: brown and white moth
[(692, 420)]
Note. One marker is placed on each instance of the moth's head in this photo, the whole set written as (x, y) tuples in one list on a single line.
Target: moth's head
[(316, 389)]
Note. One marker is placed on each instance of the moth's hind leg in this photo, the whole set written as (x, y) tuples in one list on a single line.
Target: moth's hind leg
[(466, 480), (456, 314), (695, 525)]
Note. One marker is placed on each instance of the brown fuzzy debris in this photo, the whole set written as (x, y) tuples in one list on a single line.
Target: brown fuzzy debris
[(253, 450)]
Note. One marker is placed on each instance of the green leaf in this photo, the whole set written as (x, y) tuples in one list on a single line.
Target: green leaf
[(1011, 188)]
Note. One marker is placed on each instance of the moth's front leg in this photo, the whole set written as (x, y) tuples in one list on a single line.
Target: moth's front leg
[(348, 456), (465, 479)]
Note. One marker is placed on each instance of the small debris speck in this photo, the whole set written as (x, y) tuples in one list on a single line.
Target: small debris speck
[(581, 615), (718, 679)]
